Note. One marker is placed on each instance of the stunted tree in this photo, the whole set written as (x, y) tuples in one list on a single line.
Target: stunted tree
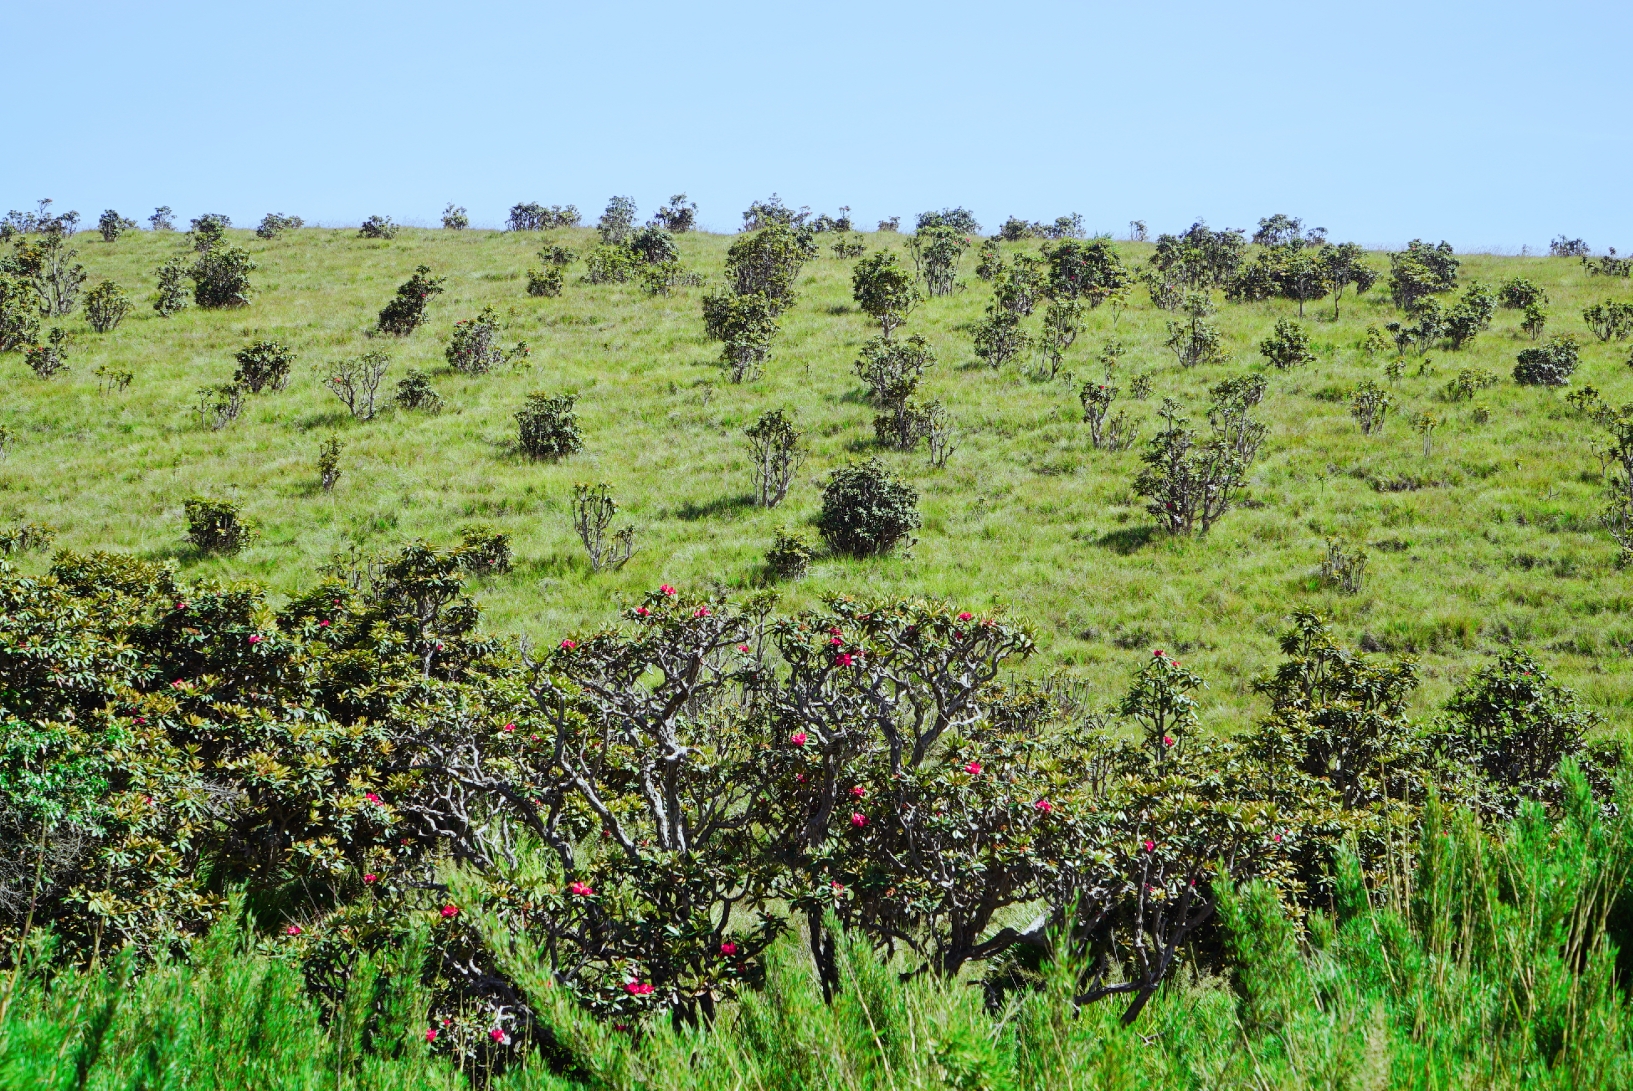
[(617, 223), (1190, 483), (1342, 266), (884, 290), (1199, 258), (1287, 346), (769, 262), (1090, 270), (745, 324), (774, 449), (1196, 340), (936, 250), (1421, 271)]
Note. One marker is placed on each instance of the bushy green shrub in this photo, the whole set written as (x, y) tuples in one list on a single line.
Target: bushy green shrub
[(414, 392), (220, 277), (866, 510), (274, 224), (216, 526), (617, 222), (1518, 293), (163, 219), (789, 557), (454, 218), (1550, 365), (48, 358), (1370, 405), (1000, 337), (745, 324), (27, 538), (484, 551), (474, 346), (655, 245), (19, 312), (1420, 271), (377, 227), (263, 365), (329, 463), (1191, 483), (884, 290), (1200, 258), (106, 306), (1287, 346), (678, 216), (112, 225), (611, 265), (936, 250), (208, 231), (406, 313), (1196, 340), (1470, 315), (48, 264), (171, 295), (530, 216), (775, 455), (1611, 319), (768, 263), (547, 427), (960, 220), (773, 213), (219, 405)]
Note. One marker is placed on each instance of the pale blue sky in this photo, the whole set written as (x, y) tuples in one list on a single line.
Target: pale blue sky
[(1490, 124)]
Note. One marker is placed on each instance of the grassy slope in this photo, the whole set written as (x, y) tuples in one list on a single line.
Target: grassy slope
[(1503, 544)]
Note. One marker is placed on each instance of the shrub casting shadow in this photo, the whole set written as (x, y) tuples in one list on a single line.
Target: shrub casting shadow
[(1127, 540), (722, 505)]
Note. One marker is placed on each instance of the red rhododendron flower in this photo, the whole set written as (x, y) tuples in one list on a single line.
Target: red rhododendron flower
[(666, 589), (859, 791), (323, 624), (293, 930), (637, 988), (965, 616), (1157, 653), (844, 659), (569, 644), (797, 738), (1276, 837), (743, 648), (431, 1034), (450, 911), (1044, 805), (642, 611), (836, 641), (370, 877), (508, 728), (371, 797), (583, 890), (1149, 846), (728, 949), (859, 820), (973, 768), (701, 611), (1168, 740), (254, 639), (497, 1034)]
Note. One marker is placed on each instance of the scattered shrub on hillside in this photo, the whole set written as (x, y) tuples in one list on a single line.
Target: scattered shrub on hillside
[(866, 510), (274, 224), (1610, 319), (768, 262), (1090, 270), (263, 365), (27, 538), (989, 259), (1517, 293), (892, 369), (47, 263), (547, 427), (1608, 266), (1469, 316), (773, 213), (356, 382), (617, 223), (216, 526), (1369, 405), (593, 511), (1469, 382), (547, 283), (208, 231), (746, 325), (473, 347), (220, 277), (655, 245), (112, 380), (39, 222), (1229, 415), (938, 427), (1342, 569), (678, 216), (171, 295), (1062, 321), (611, 265), (1019, 286), (775, 454), (1561, 247), (666, 276), (377, 227), (1549, 365), (1287, 346), (536, 217), (1191, 484), (1196, 340), (112, 225), (1097, 399), (329, 463), (789, 557), (106, 306), (936, 250), (1342, 266), (1000, 338), (1139, 387), (414, 392), (846, 247), (1425, 424), (163, 219), (884, 290), (406, 313), (1587, 402), (961, 220), (1137, 231), (1376, 341), (219, 405), (1535, 321), (826, 222), (454, 218), (1421, 271), (19, 312), (8, 441), (48, 358), (484, 551), (1199, 258), (1618, 453)]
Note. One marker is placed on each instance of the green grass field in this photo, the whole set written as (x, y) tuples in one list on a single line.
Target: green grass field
[(1493, 538)]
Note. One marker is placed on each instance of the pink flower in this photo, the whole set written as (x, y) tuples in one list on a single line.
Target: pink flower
[(838, 888), (797, 738), (1276, 837), (799, 778), (1156, 653), (1168, 740), (582, 890), (965, 616), (859, 791), (431, 1034), (973, 768), (439, 647), (638, 988), (743, 648), (836, 641), (666, 589), (508, 728), (497, 1034), (450, 911), (642, 611), (859, 819), (728, 949), (177, 684), (293, 930), (1148, 846), (324, 624), (370, 877), (141, 719), (844, 659), (701, 611), (371, 797), (1044, 805), (181, 606), (569, 644), (254, 639), (835, 631)]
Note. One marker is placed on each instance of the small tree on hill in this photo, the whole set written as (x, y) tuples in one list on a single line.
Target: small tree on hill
[(171, 295), (265, 365), (884, 290), (746, 325), (1344, 265), (106, 306), (455, 218), (866, 511), (1550, 365), (769, 262), (1090, 270), (617, 223), (1000, 338), (112, 225), (1287, 346), (678, 216), (774, 449), (406, 313), (1420, 271), (221, 277), (1190, 483), (936, 251), (1196, 340), (547, 427)]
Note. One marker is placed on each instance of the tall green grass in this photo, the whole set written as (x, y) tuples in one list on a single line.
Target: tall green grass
[(1488, 961)]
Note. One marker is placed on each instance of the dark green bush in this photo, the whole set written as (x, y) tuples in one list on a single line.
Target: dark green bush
[(263, 366), (484, 551), (1287, 346), (1551, 364), (377, 227), (617, 223), (547, 427), (454, 218), (106, 306), (329, 464), (406, 313), (171, 295), (866, 510), (209, 231), (474, 346), (414, 392), (112, 225), (789, 557), (274, 224), (19, 312), (221, 277), (216, 526), (48, 358)]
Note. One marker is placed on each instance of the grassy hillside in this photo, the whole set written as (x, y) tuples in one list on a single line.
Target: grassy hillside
[(1492, 537)]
